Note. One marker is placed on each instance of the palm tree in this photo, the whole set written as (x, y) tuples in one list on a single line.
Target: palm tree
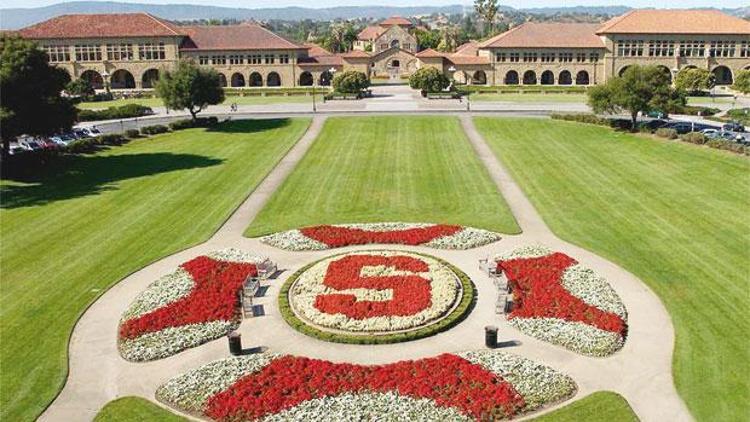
[(487, 9)]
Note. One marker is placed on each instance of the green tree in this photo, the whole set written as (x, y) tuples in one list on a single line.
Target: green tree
[(694, 80), (340, 37), (487, 10), (449, 38), (639, 89), (190, 87), (350, 82), (428, 79), (742, 82), (30, 101), (80, 87), (427, 38)]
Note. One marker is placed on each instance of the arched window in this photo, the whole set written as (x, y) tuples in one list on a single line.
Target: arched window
[(223, 80), (395, 63), (622, 70), (306, 79), (582, 78), (122, 79), (256, 79), (548, 78), (479, 78), (325, 78), (273, 79), (149, 79), (395, 44), (94, 79), (666, 72), (529, 77), (723, 75), (511, 78), (238, 80), (565, 78)]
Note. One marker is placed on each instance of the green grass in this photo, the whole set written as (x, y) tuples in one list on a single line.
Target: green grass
[(370, 169), (135, 409), (602, 406), (70, 232), (530, 98), (675, 215), (248, 100)]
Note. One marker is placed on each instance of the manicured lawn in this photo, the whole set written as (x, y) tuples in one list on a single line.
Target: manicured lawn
[(70, 232), (249, 100), (674, 214), (602, 406), (370, 169), (530, 98), (135, 409)]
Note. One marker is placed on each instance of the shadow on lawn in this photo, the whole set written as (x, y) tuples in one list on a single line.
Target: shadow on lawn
[(74, 176), (250, 125)]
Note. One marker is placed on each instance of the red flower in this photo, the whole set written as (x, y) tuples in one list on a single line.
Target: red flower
[(213, 298), (411, 293), (447, 379), (538, 293), (336, 237)]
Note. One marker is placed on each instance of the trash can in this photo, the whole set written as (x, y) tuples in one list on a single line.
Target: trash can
[(490, 336), (235, 343)]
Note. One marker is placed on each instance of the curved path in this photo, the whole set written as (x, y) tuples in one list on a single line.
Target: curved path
[(641, 371)]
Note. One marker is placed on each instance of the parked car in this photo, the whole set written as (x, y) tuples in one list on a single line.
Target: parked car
[(681, 127), (656, 114), (733, 127), (47, 143), (92, 131), (711, 133), (31, 145), (80, 133), (16, 149), (654, 124), (63, 139), (731, 136)]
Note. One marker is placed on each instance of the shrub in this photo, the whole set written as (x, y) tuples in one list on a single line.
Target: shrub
[(666, 133), (80, 146), (429, 79), (154, 130), (582, 118), (350, 82), (181, 124), (112, 139), (122, 112), (132, 133), (694, 138), (727, 146)]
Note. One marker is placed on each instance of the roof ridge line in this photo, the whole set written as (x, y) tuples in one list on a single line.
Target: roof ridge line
[(158, 20)]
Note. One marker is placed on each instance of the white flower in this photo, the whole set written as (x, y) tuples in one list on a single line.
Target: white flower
[(172, 340), (576, 336)]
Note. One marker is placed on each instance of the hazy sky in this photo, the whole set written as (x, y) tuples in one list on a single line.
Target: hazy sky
[(328, 3)]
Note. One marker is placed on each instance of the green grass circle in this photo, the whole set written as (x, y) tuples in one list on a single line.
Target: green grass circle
[(459, 313)]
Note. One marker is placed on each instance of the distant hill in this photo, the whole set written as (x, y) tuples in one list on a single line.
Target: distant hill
[(14, 18)]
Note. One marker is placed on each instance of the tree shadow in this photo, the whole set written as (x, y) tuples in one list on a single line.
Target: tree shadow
[(250, 125), (74, 176)]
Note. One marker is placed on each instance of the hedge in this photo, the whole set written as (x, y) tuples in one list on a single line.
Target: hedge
[(111, 113), (468, 300), (666, 133), (582, 118), (154, 130)]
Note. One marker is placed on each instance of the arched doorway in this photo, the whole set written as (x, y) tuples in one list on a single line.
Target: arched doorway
[(582, 78), (149, 79), (256, 79), (222, 80), (122, 79), (622, 71), (666, 72), (565, 78), (273, 79), (238, 80), (529, 77), (511, 78), (94, 79), (325, 78), (723, 75), (306, 79), (479, 78), (548, 78)]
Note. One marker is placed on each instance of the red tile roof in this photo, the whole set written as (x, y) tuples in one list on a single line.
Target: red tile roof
[(316, 50), (468, 49), (101, 26), (397, 21), (468, 60), (355, 54), (247, 36), (319, 56), (547, 35), (370, 33), (430, 54), (670, 21)]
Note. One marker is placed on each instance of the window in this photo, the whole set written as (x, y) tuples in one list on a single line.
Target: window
[(548, 57), (150, 51), (119, 51), (203, 60), (88, 53), (236, 59), (270, 59), (529, 57), (515, 57), (384, 46), (566, 57), (219, 60), (745, 49), (722, 49), (594, 57), (630, 48), (580, 57), (254, 59), (284, 59), (58, 53), (407, 46), (692, 49), (658, 48), (500, 57)]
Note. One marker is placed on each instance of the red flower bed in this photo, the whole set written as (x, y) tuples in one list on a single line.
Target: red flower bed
[(288, 381), (214, 298), (539, 293), (336, 237), (411, 293)]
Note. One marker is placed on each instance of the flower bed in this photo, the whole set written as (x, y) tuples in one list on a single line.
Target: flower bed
[(467, 386), (192, 305), (375, 297), (560, 301), (440, 236)]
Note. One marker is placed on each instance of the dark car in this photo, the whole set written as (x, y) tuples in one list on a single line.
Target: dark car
[(654, 124), (681, 127), (733, 127)]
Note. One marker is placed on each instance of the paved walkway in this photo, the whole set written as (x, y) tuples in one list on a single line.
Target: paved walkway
[(641, 371)]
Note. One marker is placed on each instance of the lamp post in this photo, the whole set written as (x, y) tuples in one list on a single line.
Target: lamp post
[(313, 92), (332, 71)]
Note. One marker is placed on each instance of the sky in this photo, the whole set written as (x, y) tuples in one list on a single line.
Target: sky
[(330, 3)]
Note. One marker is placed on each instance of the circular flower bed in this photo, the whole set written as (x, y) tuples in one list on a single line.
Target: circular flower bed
[(440, 236), (192, 305), (558, 300), (468, 386), (376, 297)]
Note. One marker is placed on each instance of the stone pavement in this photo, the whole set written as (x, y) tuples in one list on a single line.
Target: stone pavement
[(641, 371)]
